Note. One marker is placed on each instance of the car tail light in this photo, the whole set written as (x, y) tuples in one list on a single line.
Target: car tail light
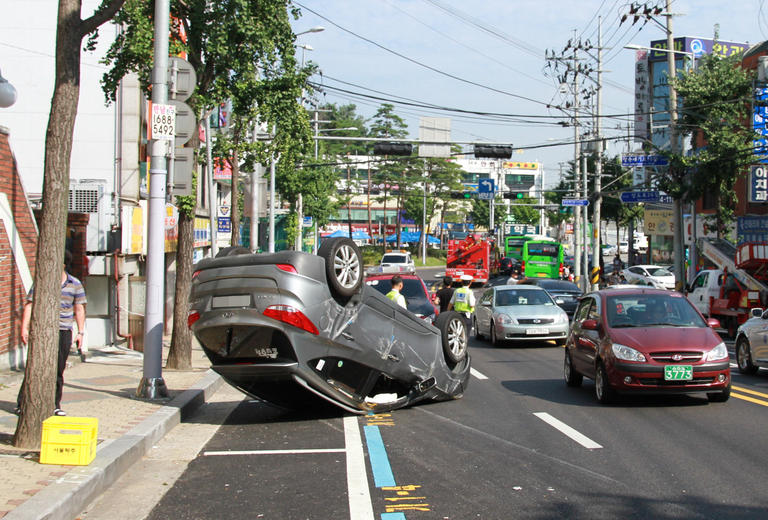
[(561, 269), (291, 316), (195, 274), (288, 268), (192, 317), (522, 267)]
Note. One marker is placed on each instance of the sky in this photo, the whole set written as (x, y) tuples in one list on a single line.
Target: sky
[(488, 57)]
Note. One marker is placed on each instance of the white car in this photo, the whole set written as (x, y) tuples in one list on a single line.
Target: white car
[(623, 246), (609, 249), (397, 262), (656, 275)]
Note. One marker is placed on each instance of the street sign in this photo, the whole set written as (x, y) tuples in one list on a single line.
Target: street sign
[(628, 160), (306, 222), (574, 202), (183, 160), (485, 195), (632, 197), (186, 78), (486, 186)]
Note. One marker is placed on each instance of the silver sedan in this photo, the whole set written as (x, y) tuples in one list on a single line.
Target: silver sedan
[(519, 313)]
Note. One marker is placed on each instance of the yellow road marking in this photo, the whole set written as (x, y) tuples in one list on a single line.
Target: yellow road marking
[(748, 391), (750, 399)]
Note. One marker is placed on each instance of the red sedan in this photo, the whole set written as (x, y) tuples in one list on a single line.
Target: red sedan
[(645, 340)]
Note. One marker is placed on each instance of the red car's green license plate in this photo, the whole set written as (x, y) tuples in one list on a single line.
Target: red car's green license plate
[(678, 373)]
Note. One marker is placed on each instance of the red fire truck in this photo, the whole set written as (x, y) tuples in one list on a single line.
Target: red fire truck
[(474, 256)]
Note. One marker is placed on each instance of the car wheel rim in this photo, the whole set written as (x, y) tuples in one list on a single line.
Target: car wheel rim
[(599, 383), (456, 337), (741, 356), (347, 267)]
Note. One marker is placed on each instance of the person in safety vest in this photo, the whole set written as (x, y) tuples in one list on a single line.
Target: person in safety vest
[(394, 294), (463, 301)]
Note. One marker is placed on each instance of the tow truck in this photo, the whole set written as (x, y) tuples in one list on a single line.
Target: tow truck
[(736, 284)]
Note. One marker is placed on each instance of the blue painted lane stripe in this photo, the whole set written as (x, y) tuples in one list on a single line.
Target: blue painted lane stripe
[(382, 472), (392, 516)]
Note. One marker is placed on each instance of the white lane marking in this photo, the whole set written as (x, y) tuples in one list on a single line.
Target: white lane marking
[(568, 431), (274, 452), (477, 374), (360, 506)]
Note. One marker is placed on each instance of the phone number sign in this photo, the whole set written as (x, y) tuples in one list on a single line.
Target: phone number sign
[(163, 124)]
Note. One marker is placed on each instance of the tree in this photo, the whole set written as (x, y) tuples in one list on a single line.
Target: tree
[(524, 214), (40, 372), (242, 52), (716, 97), (481, 213)]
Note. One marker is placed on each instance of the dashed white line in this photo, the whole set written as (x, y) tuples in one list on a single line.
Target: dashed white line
[(568, 431), (273, 452), (477, 374)]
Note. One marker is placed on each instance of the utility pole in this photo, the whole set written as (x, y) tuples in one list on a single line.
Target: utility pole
[(596, 250), (152, 385), (576, 173), (677, 202)]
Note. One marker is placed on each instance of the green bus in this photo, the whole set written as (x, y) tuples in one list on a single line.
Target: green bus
[(513, 246), (542, 259)]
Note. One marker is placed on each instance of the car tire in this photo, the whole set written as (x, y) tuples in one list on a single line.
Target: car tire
[(454, 335), (572, 378), (492, 335), (719, 397), (744, 357), (478, 335), (604, 393), (343, 266), (232, 251)]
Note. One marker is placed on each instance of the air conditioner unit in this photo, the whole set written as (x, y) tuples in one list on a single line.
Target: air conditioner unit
[(89, 196)]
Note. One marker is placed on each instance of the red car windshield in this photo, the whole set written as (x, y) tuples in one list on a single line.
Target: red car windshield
[(645, 310)]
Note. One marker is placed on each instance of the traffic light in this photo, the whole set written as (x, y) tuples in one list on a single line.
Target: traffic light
[(514, 195), (493, 151), (464, 195), (392, 149)]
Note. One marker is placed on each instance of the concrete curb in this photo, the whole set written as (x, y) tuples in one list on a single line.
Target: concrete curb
[(68, 496)]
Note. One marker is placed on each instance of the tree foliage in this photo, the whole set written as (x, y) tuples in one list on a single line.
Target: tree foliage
[(716, 99)]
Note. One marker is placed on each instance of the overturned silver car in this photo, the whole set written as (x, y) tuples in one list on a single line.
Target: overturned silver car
[(290, 327)]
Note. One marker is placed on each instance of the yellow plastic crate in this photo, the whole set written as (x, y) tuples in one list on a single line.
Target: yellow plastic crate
[(69, 441)]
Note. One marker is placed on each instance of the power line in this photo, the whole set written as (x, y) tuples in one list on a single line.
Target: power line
[(420, 64)]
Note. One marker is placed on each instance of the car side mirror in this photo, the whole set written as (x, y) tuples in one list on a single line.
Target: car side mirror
[(756, 312), (713, 323), (589, 324)]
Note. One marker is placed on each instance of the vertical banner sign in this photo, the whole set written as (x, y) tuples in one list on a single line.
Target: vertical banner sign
[(642, 95), (759, 116), (758, 183)]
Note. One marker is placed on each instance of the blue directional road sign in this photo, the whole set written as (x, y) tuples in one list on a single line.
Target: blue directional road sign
[(574, 202), (630, 197), (643, 160), (486, 188)]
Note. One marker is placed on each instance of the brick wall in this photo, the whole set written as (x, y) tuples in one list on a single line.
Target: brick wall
[(11, 286)]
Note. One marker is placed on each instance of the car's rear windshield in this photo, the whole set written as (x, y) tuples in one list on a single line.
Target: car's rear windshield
[(394, 259), (659, 271), (510, 297), (640, 310), (412, 287), (558, 285)]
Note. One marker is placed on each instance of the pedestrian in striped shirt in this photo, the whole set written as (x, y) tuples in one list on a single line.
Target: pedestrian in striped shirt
[(72, 311)]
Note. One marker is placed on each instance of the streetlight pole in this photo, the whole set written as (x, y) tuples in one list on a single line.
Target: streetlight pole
[(152, 385), (596, 249)]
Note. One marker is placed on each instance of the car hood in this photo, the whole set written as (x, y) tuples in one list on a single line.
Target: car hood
[(659, 339), (530, 311)]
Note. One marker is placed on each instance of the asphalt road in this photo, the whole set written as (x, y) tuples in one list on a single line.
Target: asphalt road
[(519, 444)]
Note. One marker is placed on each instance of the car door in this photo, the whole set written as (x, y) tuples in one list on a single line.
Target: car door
[(580, 337), (698, 295), (483, 312), (758, 340)]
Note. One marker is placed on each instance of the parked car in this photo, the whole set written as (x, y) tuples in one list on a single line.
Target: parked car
[(623, 246), (291, 327), (519, 312), (397, 262), (566, 294), (752, 342), (657, 275), (648, 341), (418, 299), (610, 249)]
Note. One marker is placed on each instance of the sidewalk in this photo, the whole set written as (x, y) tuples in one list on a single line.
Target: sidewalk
[(103, 387)]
